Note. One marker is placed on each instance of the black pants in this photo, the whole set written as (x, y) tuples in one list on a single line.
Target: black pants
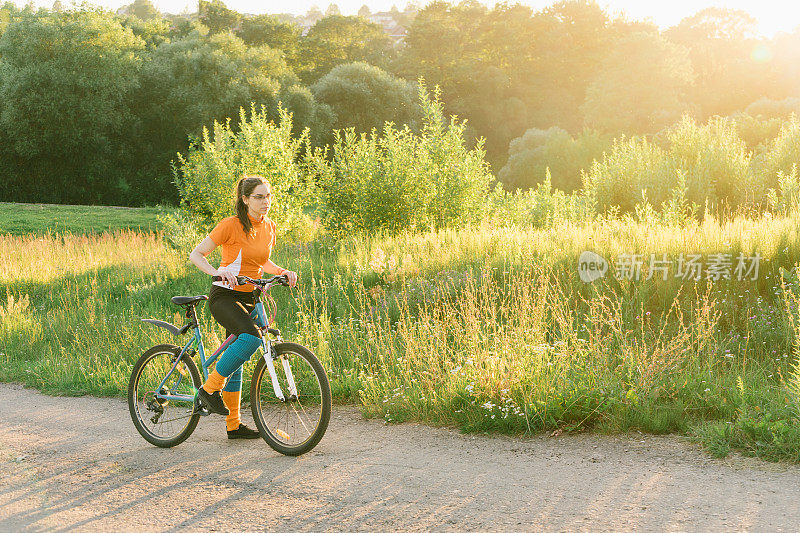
[(231, 309)]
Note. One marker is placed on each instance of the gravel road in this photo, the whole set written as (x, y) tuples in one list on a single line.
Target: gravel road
[(78, 463)]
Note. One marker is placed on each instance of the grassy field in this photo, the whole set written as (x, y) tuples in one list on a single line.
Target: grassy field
[(41, 219), (484, 328)]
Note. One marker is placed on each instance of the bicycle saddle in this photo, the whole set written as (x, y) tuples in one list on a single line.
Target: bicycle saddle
[(188, 300)]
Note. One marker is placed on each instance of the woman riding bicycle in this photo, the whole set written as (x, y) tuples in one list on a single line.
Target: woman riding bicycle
[(246, 240)]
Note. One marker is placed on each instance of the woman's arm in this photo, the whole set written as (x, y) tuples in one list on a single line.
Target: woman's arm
[(198, 257), (272, 268)]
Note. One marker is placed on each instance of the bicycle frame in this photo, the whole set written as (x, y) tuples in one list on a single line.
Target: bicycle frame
[(195, 344)]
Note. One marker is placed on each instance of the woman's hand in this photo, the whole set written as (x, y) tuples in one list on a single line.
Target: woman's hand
[(292, 277), (228, 277)]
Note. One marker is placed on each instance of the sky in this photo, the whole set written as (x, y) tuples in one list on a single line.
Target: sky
[(774, 16)]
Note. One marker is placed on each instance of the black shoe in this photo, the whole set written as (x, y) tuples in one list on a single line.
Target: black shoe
[(243, 432), (212, 402)]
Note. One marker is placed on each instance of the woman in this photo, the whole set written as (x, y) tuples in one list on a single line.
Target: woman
[(247, 240)]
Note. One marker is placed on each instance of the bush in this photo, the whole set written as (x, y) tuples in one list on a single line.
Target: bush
[(630, 167), (716, 162), (402, 180), (691, 165), (764, 108), (541, 206), (756, 132), (537, 150), (206, 177), (781, 154)]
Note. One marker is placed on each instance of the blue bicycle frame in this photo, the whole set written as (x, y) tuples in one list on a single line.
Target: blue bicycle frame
[(196, 344)]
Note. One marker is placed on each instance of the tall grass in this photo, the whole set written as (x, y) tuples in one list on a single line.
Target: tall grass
[(486, 327)]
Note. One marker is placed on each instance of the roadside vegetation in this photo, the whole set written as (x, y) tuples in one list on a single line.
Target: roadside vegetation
[(486, 328), (438, 256)]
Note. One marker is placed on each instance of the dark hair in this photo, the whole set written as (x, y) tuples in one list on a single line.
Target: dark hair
[(245, 187)]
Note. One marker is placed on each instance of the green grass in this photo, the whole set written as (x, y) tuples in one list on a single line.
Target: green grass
[(484, 328), (40, 219)]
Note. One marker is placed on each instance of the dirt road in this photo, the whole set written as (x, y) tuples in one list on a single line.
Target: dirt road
[(78, 463)]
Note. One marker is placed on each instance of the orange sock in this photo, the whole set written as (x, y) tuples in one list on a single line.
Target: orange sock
[(232, 400), (214, 382)]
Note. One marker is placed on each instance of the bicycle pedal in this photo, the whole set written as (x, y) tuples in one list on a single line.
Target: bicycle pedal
[(201, 409)]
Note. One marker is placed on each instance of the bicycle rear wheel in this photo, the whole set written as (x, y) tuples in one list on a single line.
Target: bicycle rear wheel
[(163, 422), (294, 426)]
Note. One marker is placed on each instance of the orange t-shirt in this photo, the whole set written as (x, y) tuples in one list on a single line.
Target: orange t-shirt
[(244, 255)]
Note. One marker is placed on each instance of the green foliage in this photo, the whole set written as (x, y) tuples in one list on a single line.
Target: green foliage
[(65, 83), (401, 180), (207, 176), (766, 108), (540, 206), (468, 53), (709, 161), (216, 16), (782, 153), (337, 39), (101, 105), (766, 422), (786, 198), (364, 97), (189, 83), (641, 86), (756, 132), (307, 113), (537, 150), (154, 31), (716, 162), (267, 30), (630, 167), (555, 77), (143, 9)]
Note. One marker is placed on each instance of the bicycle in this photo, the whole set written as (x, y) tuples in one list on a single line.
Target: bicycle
[(291, 415)]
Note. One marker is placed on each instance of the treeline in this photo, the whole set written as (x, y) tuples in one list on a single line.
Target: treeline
[(95, 107)]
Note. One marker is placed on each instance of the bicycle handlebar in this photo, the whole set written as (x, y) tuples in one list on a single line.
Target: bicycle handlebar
[(280, 279)]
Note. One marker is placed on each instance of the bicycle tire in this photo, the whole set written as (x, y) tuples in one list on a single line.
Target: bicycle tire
[(314, 401), (147, 373)]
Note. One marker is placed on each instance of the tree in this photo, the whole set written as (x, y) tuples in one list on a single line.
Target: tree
[(57, 6), (570, 40), (216, 16), (267, 30), (531, 155), (364, 97), (720, 43), (65, 90), (189, 83), (641, 86), (333, 9), (364, 11), (313, 15), (144, 10), (458, 48), (338, 39)]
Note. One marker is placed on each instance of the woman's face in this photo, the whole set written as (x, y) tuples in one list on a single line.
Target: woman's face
[(259, 200)]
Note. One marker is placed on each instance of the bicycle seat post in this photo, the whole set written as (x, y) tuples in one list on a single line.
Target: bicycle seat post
[(191, 314)]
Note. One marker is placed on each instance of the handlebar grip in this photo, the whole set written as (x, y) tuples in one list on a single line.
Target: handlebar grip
[(239, 279)]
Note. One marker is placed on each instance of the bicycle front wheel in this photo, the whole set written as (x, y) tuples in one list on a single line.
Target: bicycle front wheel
[(296, 424), (161, 400)]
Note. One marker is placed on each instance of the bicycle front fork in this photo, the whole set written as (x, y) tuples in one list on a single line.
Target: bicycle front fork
[(269, 357)]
